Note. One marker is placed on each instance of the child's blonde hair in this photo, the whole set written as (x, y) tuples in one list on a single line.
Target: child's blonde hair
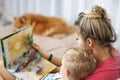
[(78, 62)]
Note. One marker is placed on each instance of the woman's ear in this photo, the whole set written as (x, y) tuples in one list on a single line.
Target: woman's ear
[(90, 42)]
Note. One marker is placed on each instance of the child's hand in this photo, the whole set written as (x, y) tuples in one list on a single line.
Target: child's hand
[(19, 79)]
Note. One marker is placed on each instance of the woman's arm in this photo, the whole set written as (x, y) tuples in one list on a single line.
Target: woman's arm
[(1, 78), (4, 74), (55, 60)]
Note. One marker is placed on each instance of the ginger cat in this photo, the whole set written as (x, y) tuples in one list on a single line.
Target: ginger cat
[(43, 25)]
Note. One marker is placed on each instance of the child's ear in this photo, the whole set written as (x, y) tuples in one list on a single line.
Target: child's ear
[(90, 42), (67, 73)]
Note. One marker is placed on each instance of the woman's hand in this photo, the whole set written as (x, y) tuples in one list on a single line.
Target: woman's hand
[(38, 48), (55, 60), (42, 52)]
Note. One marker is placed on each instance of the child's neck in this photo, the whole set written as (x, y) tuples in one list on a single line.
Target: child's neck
[(63, 78)]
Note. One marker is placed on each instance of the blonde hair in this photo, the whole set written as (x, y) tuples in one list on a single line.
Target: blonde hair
[(96, 24), (79, 63)]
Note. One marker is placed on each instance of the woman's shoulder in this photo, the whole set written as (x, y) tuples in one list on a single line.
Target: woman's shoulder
[(116, 52), (116, 55), (106, 68)]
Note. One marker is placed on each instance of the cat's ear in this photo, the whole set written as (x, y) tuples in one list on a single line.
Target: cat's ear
[(14, 18), (23, 20)]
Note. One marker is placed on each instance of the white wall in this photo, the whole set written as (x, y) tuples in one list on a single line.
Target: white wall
[(67, 9)]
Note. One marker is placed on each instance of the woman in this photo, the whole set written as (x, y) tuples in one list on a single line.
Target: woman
[(95, 34)]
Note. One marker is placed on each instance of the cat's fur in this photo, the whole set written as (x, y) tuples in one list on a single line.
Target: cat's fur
[(43, 25)]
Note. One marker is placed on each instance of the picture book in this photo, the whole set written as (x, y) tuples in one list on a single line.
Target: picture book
[(21, 59)]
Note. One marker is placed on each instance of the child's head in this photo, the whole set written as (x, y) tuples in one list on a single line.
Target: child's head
[(77, 64)]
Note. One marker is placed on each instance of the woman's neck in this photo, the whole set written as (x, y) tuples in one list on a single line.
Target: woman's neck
[(101, 53)]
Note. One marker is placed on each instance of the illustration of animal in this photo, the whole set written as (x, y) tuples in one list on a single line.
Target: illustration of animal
[(44, 25)]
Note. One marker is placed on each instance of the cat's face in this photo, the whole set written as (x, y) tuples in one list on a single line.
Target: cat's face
[(22, 21)]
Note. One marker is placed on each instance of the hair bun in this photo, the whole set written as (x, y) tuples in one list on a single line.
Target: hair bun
[(100, 11)]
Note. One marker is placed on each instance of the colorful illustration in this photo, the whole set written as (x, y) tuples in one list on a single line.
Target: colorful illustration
[(20, 57), (14, 44)]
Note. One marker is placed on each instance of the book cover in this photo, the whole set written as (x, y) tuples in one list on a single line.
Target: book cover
[(22, 60)]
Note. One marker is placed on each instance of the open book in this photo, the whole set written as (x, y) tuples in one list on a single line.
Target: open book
[(22, 60)]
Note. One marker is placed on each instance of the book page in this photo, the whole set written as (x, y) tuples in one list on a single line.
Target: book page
[(13, 45), (46, 66), (20, 57)]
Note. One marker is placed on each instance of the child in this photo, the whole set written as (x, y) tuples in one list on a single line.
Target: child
[(76, 65)]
